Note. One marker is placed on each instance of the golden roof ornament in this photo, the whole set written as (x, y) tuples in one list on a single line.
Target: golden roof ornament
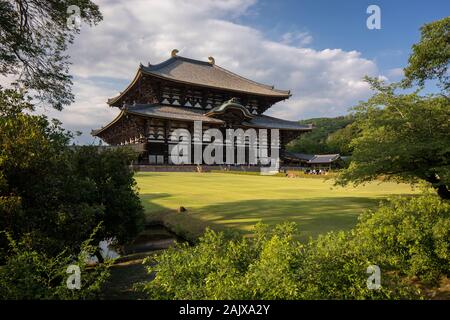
[(211, 60), (174, 53)]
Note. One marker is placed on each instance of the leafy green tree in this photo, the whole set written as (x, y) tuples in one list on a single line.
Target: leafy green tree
[(404, 137), (39, 194), (431, 55), (115, 189), (56, 194), (34, 35)]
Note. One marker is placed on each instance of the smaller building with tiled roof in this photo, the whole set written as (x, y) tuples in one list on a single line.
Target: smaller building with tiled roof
[(313, 160)]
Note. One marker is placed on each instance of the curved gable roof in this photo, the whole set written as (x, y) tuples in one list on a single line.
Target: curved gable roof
[(230, 104), (205, 74)]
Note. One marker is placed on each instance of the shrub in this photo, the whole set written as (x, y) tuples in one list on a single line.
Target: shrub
[(271, 265), (335, 267), (406, 237), (410, 235), (29, 274), (226, 267), (114, 189)]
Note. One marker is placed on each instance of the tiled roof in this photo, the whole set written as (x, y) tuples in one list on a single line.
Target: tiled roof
[(301, 156), (192, 114), (232, 103), (161, 111), (171, 112), (209, 75), (324, 158), (262, 121), (313, 158)]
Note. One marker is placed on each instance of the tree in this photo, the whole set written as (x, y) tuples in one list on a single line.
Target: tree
[(115, 190), (57, 195), (407, 136), (430, 57), (34, 35), (404, 137)]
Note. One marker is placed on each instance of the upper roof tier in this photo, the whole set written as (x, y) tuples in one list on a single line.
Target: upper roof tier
[(209, 74), (204, 74)]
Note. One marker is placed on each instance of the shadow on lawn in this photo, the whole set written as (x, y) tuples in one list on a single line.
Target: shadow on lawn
[(313, 216)]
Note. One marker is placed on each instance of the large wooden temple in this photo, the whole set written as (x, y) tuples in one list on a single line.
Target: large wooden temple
[(175, 93)]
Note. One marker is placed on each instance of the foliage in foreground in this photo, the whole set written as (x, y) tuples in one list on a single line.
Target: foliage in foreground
[(30, 274), (52, 198), (405, 237), (411, 235), (57, 194)]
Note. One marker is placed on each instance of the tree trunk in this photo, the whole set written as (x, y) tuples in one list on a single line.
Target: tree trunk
[(443, 192), (441, 189), (99, 256)]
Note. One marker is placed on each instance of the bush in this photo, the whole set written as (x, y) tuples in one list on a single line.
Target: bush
[(335, 267), (222, 268), (272, 265), (54, 196), (29, 274), (405, 237), (114, 188), (410, 235)]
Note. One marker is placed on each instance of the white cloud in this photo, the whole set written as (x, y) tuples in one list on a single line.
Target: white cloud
[(90, 110), (323, 82), (296, 38)]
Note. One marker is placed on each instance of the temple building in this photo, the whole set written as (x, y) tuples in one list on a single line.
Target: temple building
[(175, 93)]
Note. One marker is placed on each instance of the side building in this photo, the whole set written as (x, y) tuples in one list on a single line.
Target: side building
[(179, 91)]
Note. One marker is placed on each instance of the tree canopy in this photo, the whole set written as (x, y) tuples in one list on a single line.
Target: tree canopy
[(431, 55), (57, 195), (34, 35), (404, 137)]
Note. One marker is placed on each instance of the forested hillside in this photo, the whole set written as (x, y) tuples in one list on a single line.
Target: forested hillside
[(328, 136)]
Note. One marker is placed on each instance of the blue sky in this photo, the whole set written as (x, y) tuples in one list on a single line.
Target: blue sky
[(320, 50), (342, 24)]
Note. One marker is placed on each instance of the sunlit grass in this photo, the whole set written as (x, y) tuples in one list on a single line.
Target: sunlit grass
[(240, 201)]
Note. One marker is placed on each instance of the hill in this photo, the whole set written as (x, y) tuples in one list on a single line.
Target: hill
[(317, 141)]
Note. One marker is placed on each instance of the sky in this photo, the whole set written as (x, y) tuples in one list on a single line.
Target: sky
[(320, 50)]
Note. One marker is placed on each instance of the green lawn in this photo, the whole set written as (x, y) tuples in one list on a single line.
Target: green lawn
[(240, 201)]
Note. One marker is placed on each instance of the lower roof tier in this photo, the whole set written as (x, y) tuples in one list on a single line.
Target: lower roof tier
[(191, 114)]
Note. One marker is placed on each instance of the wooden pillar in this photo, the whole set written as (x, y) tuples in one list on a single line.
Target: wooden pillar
[(167, 125)]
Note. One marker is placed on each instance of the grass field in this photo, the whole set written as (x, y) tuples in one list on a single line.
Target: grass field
[(240, 201)]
